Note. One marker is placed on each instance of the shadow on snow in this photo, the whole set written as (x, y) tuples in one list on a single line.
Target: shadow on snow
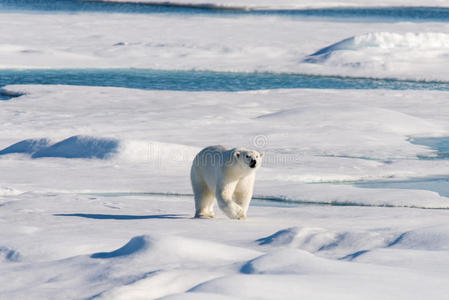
[(122, 217)]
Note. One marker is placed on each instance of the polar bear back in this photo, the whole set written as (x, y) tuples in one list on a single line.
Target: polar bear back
[(212, 163)]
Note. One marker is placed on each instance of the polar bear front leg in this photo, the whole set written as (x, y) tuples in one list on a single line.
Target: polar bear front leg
[(224, 194), (244, 192)]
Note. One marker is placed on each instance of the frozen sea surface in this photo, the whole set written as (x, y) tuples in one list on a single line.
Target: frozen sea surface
[(400, 50), (95, 198)]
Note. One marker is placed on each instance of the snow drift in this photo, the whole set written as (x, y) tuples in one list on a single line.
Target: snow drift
[(391, 54), (80, 147), (29, 146), (72, 147), (389, 40)]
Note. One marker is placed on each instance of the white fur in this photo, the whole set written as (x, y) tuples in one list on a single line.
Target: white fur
[(226, 175)]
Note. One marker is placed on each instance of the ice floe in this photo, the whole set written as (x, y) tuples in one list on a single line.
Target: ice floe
[(243, 44)]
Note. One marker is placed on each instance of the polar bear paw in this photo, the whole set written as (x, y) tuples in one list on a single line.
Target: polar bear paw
[(204, 215), (235, 211)]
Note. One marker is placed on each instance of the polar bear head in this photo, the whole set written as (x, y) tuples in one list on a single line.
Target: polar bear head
[(248, 159)]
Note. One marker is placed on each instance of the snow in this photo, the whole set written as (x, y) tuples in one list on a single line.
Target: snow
[(29, 146), (149, 145), (119, 226), (7, 191), (151, 255), (79, 147), (387, 50), (95, 197), (378, 49)]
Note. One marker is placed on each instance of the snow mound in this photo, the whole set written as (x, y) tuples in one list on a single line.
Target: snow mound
[(135, 245), (72, 147), (345, 245), (350, 245), (386, 40), (175, 249), (289, 261), (411, 56), (280, 238), (432, 238), (29, 146), (156, 153), (80, 147)]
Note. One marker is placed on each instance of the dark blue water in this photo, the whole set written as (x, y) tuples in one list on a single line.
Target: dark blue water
[(74, 6), (202, 80), (3, 96)]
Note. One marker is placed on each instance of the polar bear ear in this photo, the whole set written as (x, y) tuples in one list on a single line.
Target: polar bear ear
[(237, 154), (261, 154)]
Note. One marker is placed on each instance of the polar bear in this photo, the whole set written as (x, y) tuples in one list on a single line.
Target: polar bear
[(226, 175)]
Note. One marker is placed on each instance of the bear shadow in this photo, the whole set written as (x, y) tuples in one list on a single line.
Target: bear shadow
[(122, 217)]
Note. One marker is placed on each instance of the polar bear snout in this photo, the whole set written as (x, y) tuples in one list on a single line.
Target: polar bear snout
[(249, 158), (252, 163)]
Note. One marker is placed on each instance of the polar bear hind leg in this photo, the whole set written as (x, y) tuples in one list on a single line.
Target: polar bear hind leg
[(204, 204), (204, 198)]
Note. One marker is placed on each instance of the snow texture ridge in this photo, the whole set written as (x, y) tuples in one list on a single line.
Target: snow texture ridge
[(175, 249), (342, 245), (135, 245)]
